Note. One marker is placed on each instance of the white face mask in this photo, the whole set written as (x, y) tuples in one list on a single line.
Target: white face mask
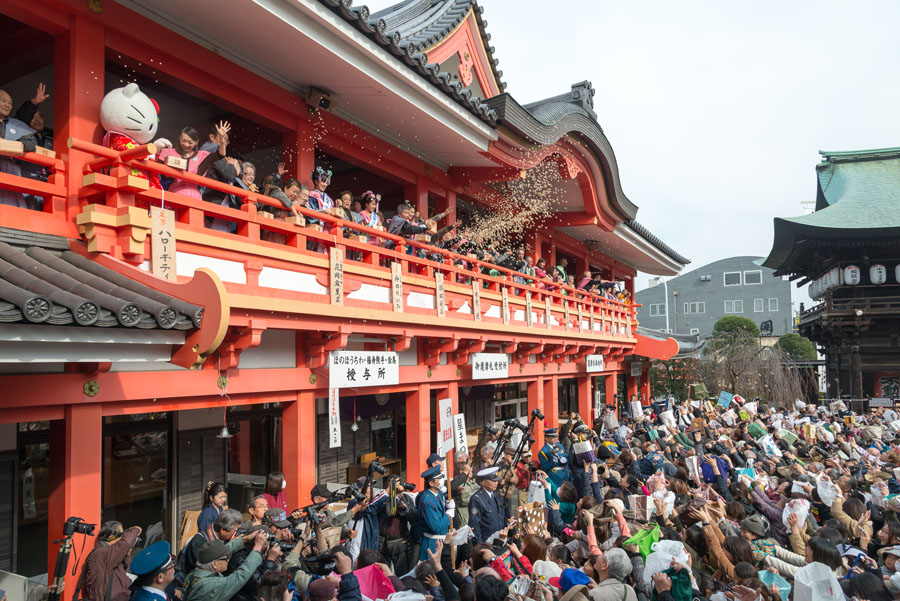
[(283, 484)]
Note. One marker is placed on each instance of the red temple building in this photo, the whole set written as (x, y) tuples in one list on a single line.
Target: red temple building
[(116, 384)]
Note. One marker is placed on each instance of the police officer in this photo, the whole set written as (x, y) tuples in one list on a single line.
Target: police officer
[(487, 510), (553, 459), (432, 510), (155, 569)]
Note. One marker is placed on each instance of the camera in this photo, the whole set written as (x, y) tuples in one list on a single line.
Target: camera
[(408, 486), (76, 525), (376, 467), (514, 423), (285, 546), (537, 413), (354, 492), (491, 430)]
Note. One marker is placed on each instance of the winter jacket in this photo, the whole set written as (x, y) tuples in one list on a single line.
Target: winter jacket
[(109, 561)]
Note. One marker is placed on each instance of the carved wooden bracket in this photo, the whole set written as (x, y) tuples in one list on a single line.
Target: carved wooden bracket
[(525, 350), (403, 342), (237, 340), (117, 231), (466, 348), (433, 347), (322, 343)]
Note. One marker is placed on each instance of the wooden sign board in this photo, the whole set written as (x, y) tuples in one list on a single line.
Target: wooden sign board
[(504, 299), (568, 317), (528, 317), (162, 243), (336, 274), (176, 162), (580, 319), (45, 152), (439, 296), (547, 311), (397, 286), (591, 320), (11, 148), (296, 220), (476, 299)]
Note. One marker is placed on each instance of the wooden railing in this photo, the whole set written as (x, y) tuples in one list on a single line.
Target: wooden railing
[(109, 180)]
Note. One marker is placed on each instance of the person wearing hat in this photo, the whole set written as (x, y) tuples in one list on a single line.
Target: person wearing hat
[(319, 494), (552, 458), (462, 487), (432, 511), (435, 460), (154, 567), (223, 529), (524, 477), (206, 582), (487, 510)]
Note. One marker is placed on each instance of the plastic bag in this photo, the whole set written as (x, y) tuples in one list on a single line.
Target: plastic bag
[(827, 492), (800, 507), (816, 582), (668, 418), (644, 539), (668, 499), (536, 492), (663, 552)]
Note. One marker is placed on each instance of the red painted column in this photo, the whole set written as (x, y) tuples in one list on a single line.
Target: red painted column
[(536, 392), (418, 433), (612, 386), (417, 195), (631, 386), (585, 400), (79, 59), (645, 385), (450, 391), (551, 402), (450, 202), (298, 148), (298, 456), (76, 478)]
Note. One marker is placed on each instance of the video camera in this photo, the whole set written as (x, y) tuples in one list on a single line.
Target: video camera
[(75, 525)]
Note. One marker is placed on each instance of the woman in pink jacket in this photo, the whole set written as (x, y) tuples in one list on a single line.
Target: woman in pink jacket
[(198, 161)]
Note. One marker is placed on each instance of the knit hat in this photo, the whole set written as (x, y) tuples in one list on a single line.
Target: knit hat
[(212, 550), (321, 590), (757, 524)]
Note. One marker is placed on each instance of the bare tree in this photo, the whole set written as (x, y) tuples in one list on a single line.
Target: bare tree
[(737, 362)]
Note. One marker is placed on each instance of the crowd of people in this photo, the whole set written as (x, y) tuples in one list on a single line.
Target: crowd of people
[(689, 501)]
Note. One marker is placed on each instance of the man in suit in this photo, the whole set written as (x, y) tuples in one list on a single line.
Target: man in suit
[(487, 509)]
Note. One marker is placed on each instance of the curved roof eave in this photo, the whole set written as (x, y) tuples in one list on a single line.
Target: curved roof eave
[(560, 118)]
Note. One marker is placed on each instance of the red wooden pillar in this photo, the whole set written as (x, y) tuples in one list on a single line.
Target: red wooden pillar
[(631, 386), (645, 385), (536, 400), (298, 456), (75, 478), (551, 402), (418, 433), (298, 148), (417, 195), (612, 387), (79, 56), (450, 391), (450, 203), (585, 400)]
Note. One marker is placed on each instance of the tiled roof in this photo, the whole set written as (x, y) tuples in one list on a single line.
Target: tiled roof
[(408, 52), (655, 241), (39, 286)]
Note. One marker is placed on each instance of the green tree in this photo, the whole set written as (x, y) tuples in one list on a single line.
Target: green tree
[(798, 347), (730, 323)]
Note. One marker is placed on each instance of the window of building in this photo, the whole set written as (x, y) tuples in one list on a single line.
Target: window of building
[(758, 305), (773, 304), (734, 306), (752, 277), (695, 330), (696, 307), (657, 310), (732, 278)]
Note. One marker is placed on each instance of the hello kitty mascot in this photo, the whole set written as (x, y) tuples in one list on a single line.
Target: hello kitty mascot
[(131, 119)]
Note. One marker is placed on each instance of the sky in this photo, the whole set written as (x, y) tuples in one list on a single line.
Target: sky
[(716, 110)]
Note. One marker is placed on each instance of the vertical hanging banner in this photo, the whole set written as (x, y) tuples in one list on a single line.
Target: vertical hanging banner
[(334, 418), (162, 243), (336, 273), (528, 316), (580, 319), (546, 311), (459, 432), (504, 299), (476, 299), (445, 436), (568, 316), (397, 286), (591, 320), (439, 297), (636, 368)]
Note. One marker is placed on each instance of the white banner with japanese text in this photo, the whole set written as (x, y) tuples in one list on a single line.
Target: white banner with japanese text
[(445, 423), (334, 418), (593, 363), (355, 369), (490, 365), (459, 432)]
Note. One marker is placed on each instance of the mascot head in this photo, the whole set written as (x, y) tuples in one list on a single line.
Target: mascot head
[(131, 112)]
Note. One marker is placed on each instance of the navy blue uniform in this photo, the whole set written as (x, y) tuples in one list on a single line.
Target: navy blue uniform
[(487, 514)]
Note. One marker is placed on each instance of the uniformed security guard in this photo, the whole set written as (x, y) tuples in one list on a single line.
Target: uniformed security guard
[(155, 569), (487, 510), (432, 510), (553, 459)]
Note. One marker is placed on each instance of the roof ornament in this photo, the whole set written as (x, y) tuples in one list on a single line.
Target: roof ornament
[(583, 96)]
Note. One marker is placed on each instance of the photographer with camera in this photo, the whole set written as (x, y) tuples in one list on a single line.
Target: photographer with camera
[(320, 494), (104, 577), (270, 562), (207, 581), (399, 512), (223, 529)]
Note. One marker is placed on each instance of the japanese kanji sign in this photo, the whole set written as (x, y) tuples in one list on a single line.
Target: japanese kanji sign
[(528, 316), (490, 365), (547, 311), (445, 423), (568, 315), (459, 432), (439, 297), (580, 318), (636, 368), (476, 299), (593, 363), (334, 418), (337, 276), (504, 308), (397, 286), (356, 369), (162, 243)]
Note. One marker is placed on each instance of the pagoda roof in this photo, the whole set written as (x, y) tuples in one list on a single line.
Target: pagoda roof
[(858, 199)]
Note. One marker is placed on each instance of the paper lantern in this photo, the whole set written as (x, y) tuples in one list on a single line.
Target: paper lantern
[(833, 277), (851, 275), (878, 274)]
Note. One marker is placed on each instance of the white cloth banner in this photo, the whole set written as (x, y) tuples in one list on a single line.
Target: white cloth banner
[(459, 432), (334, 418), (445, 422), (356, 369), (593, 363)]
